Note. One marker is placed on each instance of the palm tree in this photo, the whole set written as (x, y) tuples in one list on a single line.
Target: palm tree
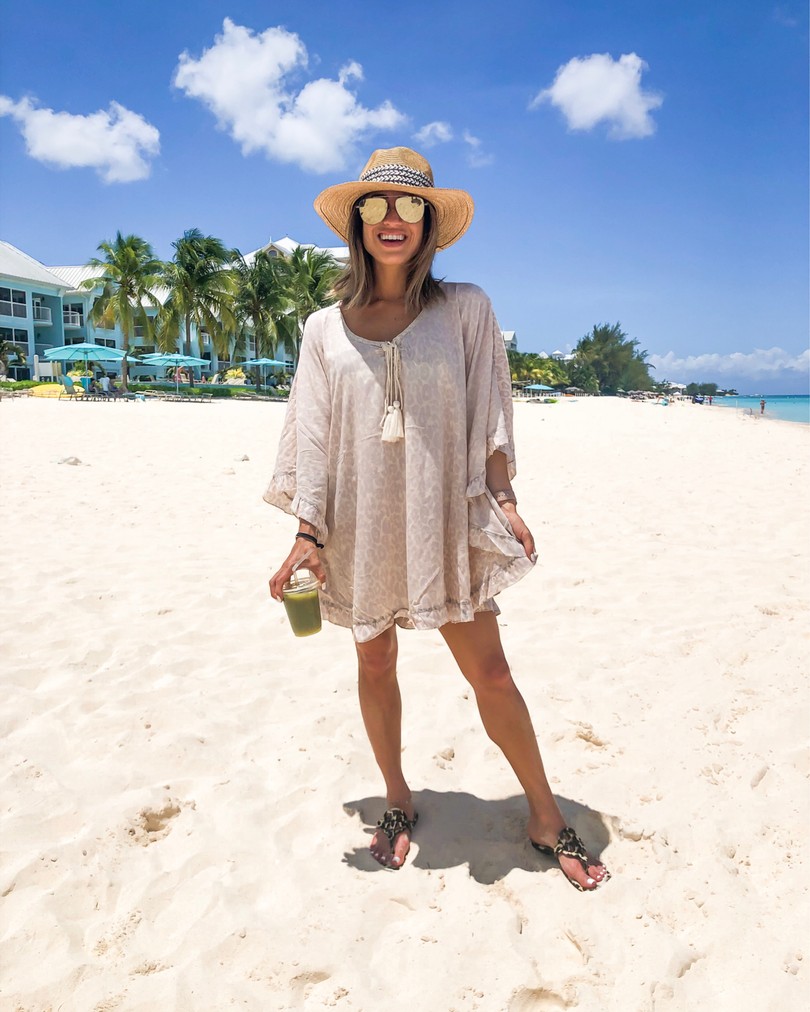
[(261, 302), (202, 285), (533, 368), (7, 349), (308, 276), (129, 271)]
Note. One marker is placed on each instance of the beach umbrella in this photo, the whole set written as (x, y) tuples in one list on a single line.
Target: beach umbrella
[(84, 352), (164, 360), (538, 386), (262, 362)]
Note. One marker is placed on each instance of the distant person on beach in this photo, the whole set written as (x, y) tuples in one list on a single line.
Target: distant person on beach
[(396, 457), (762, 406)]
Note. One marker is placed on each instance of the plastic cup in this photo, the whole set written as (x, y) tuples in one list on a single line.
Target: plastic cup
[(302, 601)]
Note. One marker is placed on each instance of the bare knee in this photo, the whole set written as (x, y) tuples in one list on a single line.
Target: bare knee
[(491, 675), (377, 658)]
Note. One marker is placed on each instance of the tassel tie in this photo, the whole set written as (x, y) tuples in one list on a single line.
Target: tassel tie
[(392, 427)]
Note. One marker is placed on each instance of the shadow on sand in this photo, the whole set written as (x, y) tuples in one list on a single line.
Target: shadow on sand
[(456, 829)]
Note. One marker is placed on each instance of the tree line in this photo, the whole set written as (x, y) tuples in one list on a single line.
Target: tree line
[(605, 361), (210, 287)]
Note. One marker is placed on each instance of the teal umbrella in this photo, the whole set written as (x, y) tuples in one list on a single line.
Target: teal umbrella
[(85, 352), (164, 360), (538, 386), (262, 362)]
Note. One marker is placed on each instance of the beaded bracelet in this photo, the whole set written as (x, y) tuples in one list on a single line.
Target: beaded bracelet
[(309, 537)]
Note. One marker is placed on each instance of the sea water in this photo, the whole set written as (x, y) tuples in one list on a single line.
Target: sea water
[(784, 407)]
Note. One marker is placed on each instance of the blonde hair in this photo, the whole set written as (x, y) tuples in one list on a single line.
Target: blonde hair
[(355, 286)]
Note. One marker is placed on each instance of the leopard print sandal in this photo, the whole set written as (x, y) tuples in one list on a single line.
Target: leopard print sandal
[(570, 845), (394, 822)]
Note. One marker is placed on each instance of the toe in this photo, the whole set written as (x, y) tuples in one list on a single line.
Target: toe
[(574, 870), (402, 845), (379, 850)]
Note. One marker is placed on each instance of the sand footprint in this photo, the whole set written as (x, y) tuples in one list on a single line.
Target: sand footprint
[(302, 983), (536, 999), (152, 824)]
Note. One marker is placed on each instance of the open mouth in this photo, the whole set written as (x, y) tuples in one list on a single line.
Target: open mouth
[(391, 238)]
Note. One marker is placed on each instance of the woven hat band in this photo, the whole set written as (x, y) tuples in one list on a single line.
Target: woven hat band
[(393, 173)]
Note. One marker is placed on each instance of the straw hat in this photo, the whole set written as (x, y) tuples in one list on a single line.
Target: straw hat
[(406, 171)]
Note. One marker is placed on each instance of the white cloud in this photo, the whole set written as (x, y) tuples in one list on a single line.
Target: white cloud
[(434, 133), (782, 15), (762, 363), (246, 79), (116, 142), (476, 156), (439, 132), (597, 88)]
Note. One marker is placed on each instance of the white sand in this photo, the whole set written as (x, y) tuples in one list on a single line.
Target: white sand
[(187, 789)]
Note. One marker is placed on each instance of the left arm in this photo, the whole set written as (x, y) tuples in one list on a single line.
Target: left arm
[(498, 481)]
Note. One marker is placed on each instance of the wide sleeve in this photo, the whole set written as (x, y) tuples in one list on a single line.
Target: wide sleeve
[(301, 476), (489, 389)]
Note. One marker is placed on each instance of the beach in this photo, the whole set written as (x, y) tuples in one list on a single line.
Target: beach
[(187, 789)]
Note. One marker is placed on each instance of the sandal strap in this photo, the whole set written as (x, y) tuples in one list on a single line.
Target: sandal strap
[(570, 845), (394, 822)]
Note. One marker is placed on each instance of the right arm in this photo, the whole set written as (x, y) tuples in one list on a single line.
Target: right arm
[(312, 429), (300, 549)]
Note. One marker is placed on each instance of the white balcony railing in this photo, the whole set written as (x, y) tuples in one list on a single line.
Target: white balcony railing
[(70, 318), (42, 314)]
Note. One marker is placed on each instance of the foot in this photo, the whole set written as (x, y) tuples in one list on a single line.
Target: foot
[(392, 853), (585, 877)]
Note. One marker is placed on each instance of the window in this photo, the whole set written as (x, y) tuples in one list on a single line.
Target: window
[(19, 338), (12, 302)]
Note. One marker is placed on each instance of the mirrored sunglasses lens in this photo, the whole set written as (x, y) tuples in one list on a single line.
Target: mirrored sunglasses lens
[(410, 208), (372, 209)]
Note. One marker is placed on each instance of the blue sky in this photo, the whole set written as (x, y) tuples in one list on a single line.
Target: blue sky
[(633, 162)]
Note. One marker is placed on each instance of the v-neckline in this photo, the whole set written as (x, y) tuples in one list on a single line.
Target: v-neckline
[(367, 340)]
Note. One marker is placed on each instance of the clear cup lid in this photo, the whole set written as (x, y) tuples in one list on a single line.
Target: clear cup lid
[(301, 580)]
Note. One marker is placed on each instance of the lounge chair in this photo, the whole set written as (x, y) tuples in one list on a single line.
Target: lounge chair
[(71, 390)]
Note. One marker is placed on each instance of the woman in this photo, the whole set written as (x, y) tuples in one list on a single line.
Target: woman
[(396, 457)]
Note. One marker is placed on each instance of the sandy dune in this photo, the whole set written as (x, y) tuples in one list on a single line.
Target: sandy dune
[(187, 790)]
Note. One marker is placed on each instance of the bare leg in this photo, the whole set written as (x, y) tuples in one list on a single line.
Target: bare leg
[(476, 646), (381, 706)]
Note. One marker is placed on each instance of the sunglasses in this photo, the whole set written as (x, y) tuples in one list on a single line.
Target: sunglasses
[(409, 207)]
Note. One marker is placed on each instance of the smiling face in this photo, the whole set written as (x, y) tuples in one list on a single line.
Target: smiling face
[(393, 241)]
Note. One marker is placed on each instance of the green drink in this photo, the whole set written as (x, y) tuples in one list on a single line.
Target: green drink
[(302, 603)]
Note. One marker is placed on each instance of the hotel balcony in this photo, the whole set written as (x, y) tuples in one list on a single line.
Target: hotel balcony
[(42, 315), (70, 319)]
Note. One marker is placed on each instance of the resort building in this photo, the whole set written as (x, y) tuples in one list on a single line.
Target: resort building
[(34, 314), (509, 340), (46, 307)]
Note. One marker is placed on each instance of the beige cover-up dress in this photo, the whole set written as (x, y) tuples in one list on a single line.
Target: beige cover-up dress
[(412, 533)]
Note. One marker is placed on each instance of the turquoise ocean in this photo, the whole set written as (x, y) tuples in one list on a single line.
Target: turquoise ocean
[(784, 407)]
